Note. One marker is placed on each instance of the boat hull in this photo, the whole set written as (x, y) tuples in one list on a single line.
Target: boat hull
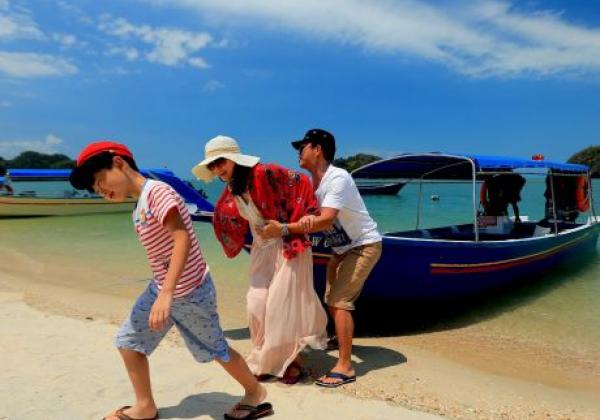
[(386, 189), (13, 206), (418, 269)]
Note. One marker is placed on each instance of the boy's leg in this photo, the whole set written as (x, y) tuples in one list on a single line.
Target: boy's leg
[(196, 318), (135, 341), (138, 370), (254, 392)]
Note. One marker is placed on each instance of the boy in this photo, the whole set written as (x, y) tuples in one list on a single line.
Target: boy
[(181, 292)]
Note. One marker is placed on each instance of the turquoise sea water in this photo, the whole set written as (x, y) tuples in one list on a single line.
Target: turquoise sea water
[(560, 309)]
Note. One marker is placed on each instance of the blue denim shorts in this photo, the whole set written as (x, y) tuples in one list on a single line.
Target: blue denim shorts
[(194, 315)]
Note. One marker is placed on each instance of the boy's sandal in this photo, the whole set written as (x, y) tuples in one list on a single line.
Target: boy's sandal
[(289, 379), (343, 380), (122, 416), (254, 412)]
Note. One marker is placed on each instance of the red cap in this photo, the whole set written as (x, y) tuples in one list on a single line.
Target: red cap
[(98, 147), (82, 177)]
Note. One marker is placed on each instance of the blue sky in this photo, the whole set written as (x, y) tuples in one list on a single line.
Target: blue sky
[(494, 77)]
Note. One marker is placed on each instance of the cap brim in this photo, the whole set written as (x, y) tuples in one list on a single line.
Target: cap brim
[(299, 143), (80, 178), (202, 172)]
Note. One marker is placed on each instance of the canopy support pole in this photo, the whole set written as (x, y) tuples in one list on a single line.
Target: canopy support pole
[(553, 202), (475, 205), (590, 193), (419, 200)]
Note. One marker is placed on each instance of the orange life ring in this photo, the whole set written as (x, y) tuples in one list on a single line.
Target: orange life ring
[(581, 194)]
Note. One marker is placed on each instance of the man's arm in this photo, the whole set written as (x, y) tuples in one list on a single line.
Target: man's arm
[(307, 224), (161, 310)]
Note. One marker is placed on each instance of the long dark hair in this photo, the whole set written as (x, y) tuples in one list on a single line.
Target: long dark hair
[(240, 179)]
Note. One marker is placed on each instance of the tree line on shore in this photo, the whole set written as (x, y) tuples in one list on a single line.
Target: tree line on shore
[(589, 156)]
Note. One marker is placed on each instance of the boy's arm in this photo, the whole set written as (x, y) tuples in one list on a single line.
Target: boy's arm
[(161, 310)]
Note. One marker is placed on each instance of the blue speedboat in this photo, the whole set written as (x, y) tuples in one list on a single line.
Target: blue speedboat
[(462, 260)]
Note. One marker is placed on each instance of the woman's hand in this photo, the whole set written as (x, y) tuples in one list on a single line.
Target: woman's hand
[(161, 311), (271, 229)]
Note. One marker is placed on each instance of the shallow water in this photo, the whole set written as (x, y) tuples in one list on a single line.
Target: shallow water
[(559, 309)]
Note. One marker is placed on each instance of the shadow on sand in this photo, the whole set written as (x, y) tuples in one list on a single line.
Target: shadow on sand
[(212, 404)]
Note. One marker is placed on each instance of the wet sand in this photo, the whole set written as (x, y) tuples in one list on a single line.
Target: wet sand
[(58, 307)]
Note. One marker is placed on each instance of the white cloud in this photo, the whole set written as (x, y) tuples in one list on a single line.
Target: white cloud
[(129, 53), (10, 149), (198, 62), (66, 40), (17, 25), (5, 104), (74, 11), (168, 46), (484, 38), (34, 65), (212, 86)]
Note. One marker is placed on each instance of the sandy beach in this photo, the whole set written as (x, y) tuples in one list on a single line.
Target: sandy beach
[(59, 319)]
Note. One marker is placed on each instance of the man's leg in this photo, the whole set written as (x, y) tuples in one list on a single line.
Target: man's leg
[(345, 280), (344, 329)]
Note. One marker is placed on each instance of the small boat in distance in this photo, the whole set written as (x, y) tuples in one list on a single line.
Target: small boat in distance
[(387, 188), (17, 202)]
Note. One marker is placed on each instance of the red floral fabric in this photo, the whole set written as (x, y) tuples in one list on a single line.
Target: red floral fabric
[(279, 194)]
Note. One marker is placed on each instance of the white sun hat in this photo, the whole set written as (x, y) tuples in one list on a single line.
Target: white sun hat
[(221, 147)]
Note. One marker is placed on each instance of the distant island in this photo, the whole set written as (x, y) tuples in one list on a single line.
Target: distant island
[(589, 156), (37, 160), (356, 161)]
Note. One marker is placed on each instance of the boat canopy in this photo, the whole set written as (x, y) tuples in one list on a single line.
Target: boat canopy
[(454, 167), (60, 174)]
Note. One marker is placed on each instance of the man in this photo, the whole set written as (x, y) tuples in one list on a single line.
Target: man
[(353, 234)]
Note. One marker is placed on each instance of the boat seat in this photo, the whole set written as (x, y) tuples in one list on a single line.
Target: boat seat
[(425, 233), (541, 231)]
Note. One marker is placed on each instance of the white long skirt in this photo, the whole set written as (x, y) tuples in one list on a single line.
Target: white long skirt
[(284, 311)]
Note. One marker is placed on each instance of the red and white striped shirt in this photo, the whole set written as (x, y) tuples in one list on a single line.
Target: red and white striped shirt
[(156, 200)]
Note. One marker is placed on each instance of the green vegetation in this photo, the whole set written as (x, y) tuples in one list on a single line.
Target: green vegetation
[(352, 162), (589, 156), (36, 160)]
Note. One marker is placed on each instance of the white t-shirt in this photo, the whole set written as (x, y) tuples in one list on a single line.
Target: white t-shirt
[(353, 226)]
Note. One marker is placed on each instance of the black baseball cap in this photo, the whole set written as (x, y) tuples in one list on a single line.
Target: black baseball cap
[(316, 136)]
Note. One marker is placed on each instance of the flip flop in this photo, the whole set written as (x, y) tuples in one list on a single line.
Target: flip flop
[(122, 416), (254, 412), (344, 379)]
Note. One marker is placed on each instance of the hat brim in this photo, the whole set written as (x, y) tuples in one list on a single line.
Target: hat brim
[(202, 172)]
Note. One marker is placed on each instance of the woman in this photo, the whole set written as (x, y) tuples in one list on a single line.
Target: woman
[(284, 312)]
